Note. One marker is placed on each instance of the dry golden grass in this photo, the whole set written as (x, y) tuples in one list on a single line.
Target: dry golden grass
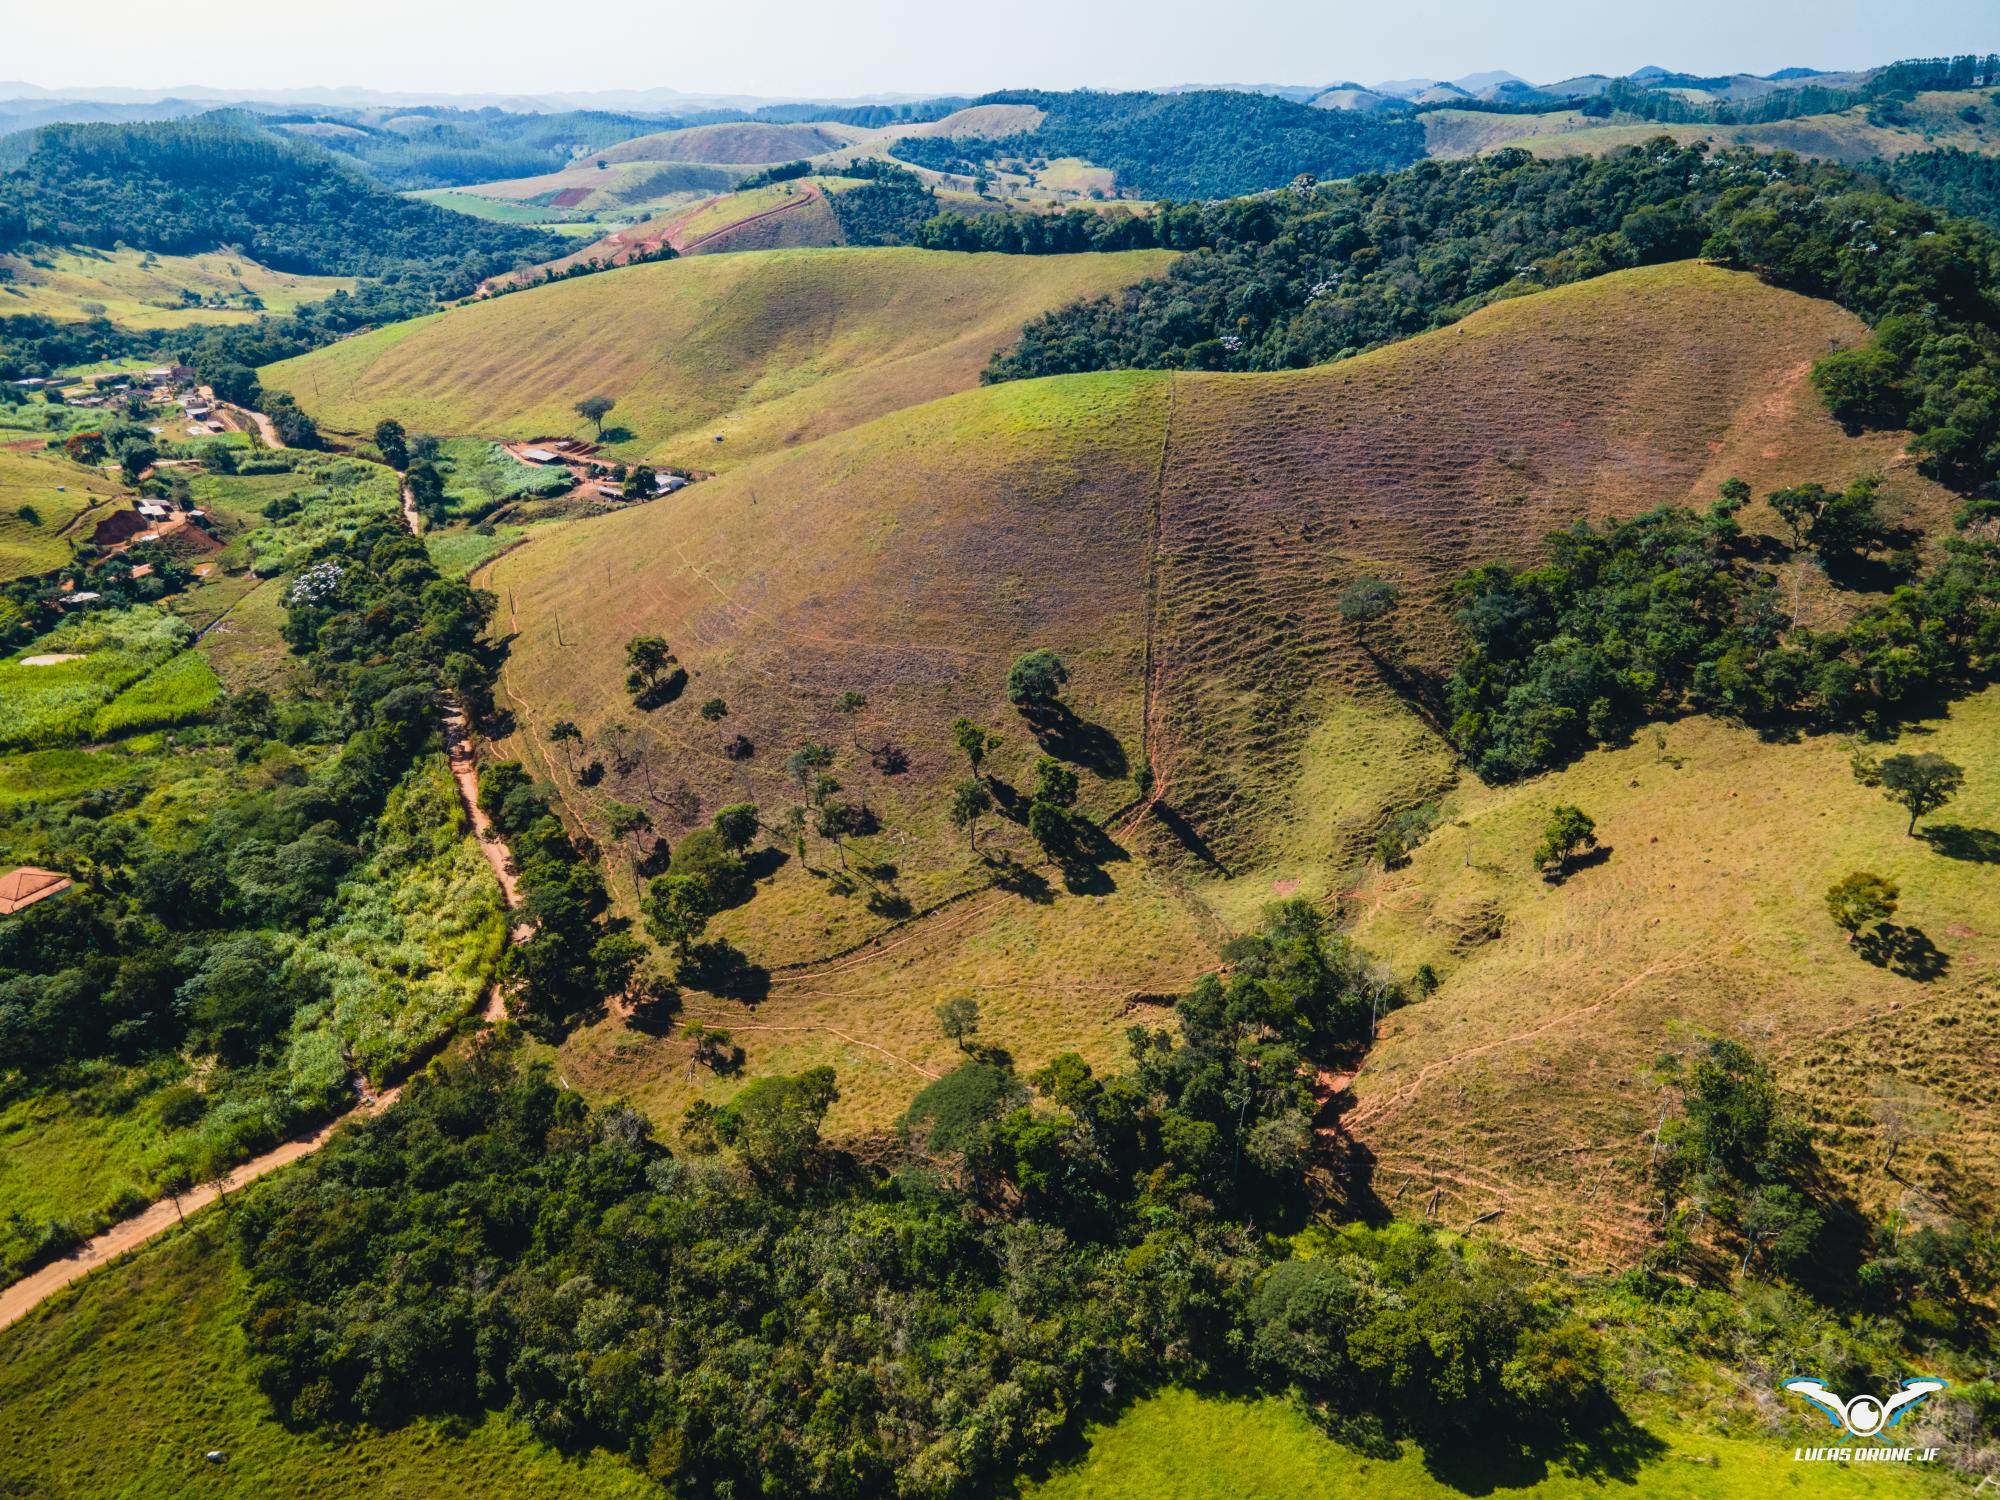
[(1524, 1083), (767, 350), (1422, 460)]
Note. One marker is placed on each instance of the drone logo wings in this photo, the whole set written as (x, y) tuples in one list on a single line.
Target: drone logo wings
[(1865, 1415)]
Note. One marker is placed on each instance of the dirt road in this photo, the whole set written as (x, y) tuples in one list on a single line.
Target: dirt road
[(242, 419), (25, 1295)]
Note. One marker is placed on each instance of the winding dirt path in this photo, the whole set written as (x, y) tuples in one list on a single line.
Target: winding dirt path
[(809, 192), (245, 420), (25, 1295), (31, 1291)]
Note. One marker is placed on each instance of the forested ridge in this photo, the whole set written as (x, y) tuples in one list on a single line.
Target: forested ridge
[(184, 186), (1670, 613), (1210, 143)]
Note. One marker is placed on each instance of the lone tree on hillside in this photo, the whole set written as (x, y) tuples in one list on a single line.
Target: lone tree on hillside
[(958, 1018), (736, 825), (1570, 831), (566, 734), (650, 660), (594, 409), (1859, 899), (1036, 680), (969, 804), (392, 443), (1922, 783), (1365, 601), (976, 742), (677, 909)]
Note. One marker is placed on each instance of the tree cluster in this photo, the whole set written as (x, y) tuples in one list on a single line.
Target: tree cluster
[(756, 1308), (1665, 613)]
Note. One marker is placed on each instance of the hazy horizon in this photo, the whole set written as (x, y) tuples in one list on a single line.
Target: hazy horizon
[(893, 47)]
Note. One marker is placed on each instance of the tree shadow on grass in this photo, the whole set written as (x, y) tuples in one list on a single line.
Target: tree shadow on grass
[(761, 864), (1021, 881), (663, 692), (1577, 863), (721, 968), (1980, 846), (1063, 735), (1907, 951), (1604, 1444), (653, 1010), (1011, 804), (1185, 835)]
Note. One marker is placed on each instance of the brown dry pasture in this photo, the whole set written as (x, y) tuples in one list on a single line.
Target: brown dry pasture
[(767, 350), (1419, 462), (741, 143), (1525, 1084), (785, 216), (1180, 541)]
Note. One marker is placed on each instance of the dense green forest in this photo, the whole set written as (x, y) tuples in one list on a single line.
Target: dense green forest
[(192, 185), (1205, 144), (758, 1308), (1668, 613), (1965, 184), (1313, 274)]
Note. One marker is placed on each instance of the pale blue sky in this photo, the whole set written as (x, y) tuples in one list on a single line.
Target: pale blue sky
[(850, 47)]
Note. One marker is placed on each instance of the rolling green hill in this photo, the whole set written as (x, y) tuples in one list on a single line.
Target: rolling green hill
[(1180, 541), (137, 289), (188, 186), (766, 350)]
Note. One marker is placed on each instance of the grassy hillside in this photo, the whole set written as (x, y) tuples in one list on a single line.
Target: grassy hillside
[(588, 188), (1523, 1085), (142, 291), (945, 540), (1420, 460), (1202, 524), (1929, 122), (42, 499), (743, 143), (782, 216), (767, 350)]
